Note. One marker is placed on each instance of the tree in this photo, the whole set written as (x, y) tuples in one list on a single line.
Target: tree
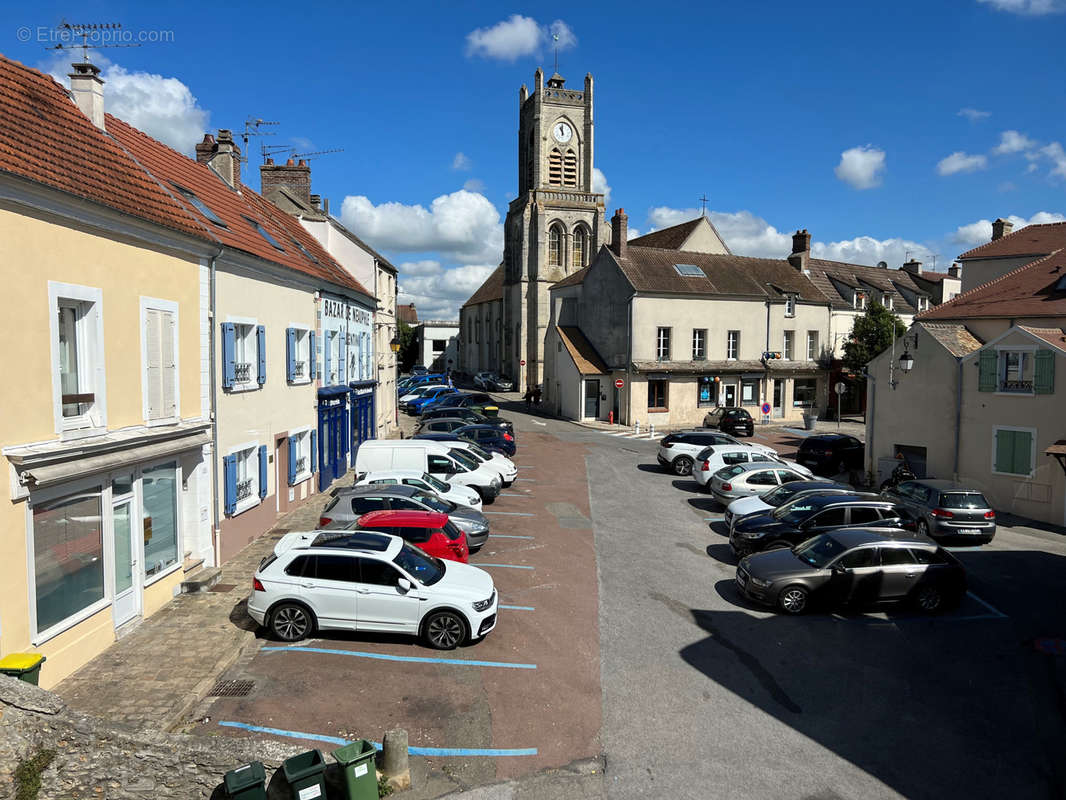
[(872, 334), (408, 354)]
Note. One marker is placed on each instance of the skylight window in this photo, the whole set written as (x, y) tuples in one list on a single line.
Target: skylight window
[(263, 232), (1061, 285), (304, 250), (689, 271), (200, 206)]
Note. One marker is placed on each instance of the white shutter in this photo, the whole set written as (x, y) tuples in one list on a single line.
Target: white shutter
[(153, 366), (168, 373)]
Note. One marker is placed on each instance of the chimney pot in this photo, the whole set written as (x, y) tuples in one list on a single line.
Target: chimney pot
[(290, 163), (619, 231), (913, 266), (955, 271), (302, 163), (87, 91), (1001, 227), (801, 251)]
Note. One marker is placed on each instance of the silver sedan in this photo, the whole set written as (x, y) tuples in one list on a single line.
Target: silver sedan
[(751, 478)]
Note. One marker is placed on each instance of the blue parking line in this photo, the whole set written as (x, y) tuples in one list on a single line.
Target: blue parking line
[(415, 659), (510, 513), (518, 608), (507, 566), (415, 751), (509, 536)]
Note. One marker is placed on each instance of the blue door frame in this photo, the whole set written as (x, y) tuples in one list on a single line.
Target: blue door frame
[(332, 434), (363, 424)]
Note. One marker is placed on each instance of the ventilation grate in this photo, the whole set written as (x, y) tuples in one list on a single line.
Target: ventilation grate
[(239, 688)]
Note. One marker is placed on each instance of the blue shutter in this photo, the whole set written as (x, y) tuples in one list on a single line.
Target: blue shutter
[(314, 450), (229, 480), (228, 351), (342, 366), (292, 460), (262, 471), (261, 345), (313, 357), (290, 354)]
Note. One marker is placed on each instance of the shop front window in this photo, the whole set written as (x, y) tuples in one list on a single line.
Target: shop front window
[(708, 393), (749, 392), (803, 392), (160, 518)]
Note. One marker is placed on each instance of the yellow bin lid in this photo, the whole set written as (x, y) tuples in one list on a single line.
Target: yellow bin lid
[(21, 662)]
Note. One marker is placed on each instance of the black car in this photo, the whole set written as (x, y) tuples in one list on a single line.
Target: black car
[(857, 567), (736, 421), (490, 437), (454, 436), (471, 417), (831, 453), (785, 492), (809, 515)]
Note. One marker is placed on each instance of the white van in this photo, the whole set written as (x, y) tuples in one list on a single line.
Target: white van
[(451, 464)]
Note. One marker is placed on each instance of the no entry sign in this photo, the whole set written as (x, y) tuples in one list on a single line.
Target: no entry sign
[(522, 363), (619, 383)]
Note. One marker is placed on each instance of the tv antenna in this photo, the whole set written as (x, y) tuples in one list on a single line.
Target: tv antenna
[(703, 204), (309, 156), (95, 30), (251, 128)]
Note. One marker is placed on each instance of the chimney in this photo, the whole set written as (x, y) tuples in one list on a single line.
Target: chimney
[(205, 150), (316, 201), (619, 230), (913, 266), (1001, 228), (87, 90), (296, 177), (955, 271), (801, 251), (227, 160), (325, 204)]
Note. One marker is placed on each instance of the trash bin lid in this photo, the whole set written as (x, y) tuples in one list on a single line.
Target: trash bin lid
[(355, 751), (21, 662), (244, 777)]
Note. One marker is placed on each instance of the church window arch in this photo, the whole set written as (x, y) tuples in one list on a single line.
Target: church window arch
[(555, 245), (555, 167), (581, 246), (570, 169)]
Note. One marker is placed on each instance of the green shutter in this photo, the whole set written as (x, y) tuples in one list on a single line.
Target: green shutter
[(1004, 451), (986, 380), (1023, 446), (1044, 372), (1013, 452)]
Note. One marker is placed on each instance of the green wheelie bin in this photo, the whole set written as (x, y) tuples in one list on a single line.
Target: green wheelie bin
[(24, 666), (360, 774), (247, 782), (306, 774)]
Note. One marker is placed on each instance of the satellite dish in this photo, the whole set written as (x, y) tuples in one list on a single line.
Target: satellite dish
[(882, 264)]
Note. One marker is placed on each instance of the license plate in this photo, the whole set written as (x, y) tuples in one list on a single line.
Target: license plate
[(970, 532), (740, 581)]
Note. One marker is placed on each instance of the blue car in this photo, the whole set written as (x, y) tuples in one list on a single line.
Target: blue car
[(415, 406), (489, 437)]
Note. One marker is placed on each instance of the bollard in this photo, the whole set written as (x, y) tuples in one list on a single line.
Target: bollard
[(651, 431), (636, 427), (394, 762), (610, 418)]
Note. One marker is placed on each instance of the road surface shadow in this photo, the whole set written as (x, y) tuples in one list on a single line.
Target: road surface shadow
[(687, 485)]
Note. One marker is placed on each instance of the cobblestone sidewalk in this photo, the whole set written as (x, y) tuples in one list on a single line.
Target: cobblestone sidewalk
[(157, 674)]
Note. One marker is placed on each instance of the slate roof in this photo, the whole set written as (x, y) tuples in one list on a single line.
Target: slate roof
[(1036, 289), (45, 138), (574, 278), (586, 359), (859, 276), (674, 237), (491, 289), (1032, 240), (954, 337)]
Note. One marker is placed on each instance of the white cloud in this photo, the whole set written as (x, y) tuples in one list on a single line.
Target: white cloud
[(1057, 155), (518, 36), (599, 184), (462, 162), (419, 268), (1013, 142), (475, 185), (973, 114), (980, 232), (1029, 8), (868, 250), (961, 162), (439, 295), (164, 108), (861, 167), (463, 226)]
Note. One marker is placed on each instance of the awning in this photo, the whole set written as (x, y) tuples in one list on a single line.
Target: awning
[(1057, 449), (52, 472)]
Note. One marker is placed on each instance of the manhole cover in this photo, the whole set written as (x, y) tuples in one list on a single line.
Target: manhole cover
[(223, 587), (238, 688)]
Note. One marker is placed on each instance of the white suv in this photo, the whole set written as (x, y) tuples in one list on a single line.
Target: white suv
[(711, 459), (678, 451), (362, 581)]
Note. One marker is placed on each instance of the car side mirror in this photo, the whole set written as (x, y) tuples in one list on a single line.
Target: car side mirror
[(838, 569), (404, 585)]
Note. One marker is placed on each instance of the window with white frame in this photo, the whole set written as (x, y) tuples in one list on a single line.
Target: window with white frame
[(300, 456), (159, 343), (858, 300), (788, 345), (1016, 371), (301, 355), (245, 355), (732, 345), (247, 477), (790, 305), (332, 357), (662, 344), (812, 345), (699, 344), (77, 357)]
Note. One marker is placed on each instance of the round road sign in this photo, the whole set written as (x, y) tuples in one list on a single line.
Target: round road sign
[(840, 387), (619, 383), (522, 363), (766, 408)]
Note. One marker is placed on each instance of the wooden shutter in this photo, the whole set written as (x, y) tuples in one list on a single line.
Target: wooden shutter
[(986, 379), (312, 358), (260, 340), (314, 450), (228, 352), (153, 363), (290, 354), (292, 458), (262, 471), (1044, 372), (1022, 447), (229, 474), (168, 365)]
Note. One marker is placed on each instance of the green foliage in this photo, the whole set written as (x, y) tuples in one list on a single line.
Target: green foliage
[(408, 354), (384, 787), (28, 774), (871, 335)]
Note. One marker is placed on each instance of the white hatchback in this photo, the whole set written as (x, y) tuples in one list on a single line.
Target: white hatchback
[(678, 451), (463, 495), (363, 581), (711, 459)]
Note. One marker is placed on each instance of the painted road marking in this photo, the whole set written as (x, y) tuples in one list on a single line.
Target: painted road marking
[(995, 611), (535, 422), (518, 608), (417, 751), (505, 566), (527, 466), (513, 494), (527, 480), (510, 513), (384, 657), (509, 536)]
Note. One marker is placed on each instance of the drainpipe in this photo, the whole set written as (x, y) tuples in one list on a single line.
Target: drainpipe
[(958, 421), (216, 522), (766, 362), (871, 428), (629, 363)]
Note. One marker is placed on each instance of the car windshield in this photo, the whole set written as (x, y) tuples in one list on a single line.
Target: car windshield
[(963, 500), (434, 502), (793, 511), (776, 497), (438, 485), (484, 455), (426, 569), (463, 458), (729, 472), (819, 551)]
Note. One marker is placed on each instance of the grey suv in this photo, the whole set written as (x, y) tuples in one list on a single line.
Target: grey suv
[(349, 503), (945, 509)]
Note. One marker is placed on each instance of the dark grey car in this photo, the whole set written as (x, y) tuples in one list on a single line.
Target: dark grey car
[(349, 503), (944, 509)]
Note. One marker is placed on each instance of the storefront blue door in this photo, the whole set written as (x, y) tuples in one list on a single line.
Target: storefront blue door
[(332, 435), (363, 426)]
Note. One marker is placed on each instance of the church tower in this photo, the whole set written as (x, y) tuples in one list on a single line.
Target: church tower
[(556, 224)]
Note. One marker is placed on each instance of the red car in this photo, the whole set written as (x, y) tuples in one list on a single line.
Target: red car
[(434, 533)]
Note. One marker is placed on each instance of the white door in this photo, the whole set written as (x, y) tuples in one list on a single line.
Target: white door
[(126, 603)]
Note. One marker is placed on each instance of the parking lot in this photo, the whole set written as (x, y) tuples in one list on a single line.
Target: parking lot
[(524, 698)]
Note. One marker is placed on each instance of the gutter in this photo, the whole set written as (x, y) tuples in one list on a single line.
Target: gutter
[(215, 520), (958, 421), (870, 429)]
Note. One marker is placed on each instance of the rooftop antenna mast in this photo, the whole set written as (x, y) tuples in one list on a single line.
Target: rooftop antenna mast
[(555, 38), (307, 156), (251, 128), (703, 203), (95, 30), (271, 150)]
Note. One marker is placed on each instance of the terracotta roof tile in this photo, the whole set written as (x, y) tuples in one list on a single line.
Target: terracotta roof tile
[(1032, 240), (1053, 336), (586, 359), (674, 237), (573, 279), (956, 338), (490, 290), (1036, 289)]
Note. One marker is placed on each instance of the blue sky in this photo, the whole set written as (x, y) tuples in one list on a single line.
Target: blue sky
[(882, 128)]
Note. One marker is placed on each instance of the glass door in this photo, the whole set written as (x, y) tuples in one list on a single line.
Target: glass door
[(127, 599)]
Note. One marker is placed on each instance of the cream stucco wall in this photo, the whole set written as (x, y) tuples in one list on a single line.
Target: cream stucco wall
[(704, 240)]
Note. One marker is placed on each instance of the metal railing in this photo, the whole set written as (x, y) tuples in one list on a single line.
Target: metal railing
[(298, 369), (1018, 387), (301, 464), (242, 373), (244, 489)]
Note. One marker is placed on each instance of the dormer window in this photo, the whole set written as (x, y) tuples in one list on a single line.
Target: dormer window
[(790, 305), (858, 300)]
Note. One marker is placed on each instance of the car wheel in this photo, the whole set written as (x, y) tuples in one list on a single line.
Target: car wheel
[(291, 622), (929, 599), (682, 465), (793, 600), (444, 630), (923, 527)]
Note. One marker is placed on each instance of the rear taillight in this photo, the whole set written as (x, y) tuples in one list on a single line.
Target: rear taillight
[(508, 437), (257, 585), (990, 515), (941, 513), (666, 444), (727, 487), (706, 467), (324, 521), (827, 453)]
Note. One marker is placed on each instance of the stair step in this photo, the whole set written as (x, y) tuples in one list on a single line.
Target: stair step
[(192, 564), (202, 580)]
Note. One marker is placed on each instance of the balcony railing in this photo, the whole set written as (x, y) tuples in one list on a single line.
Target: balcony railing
[(298, 369), (1017, 387), (242, 373), (301, 464), (244, 489)]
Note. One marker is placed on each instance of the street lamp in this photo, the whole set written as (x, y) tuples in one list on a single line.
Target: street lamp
[(394, 345), (906, 361)]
